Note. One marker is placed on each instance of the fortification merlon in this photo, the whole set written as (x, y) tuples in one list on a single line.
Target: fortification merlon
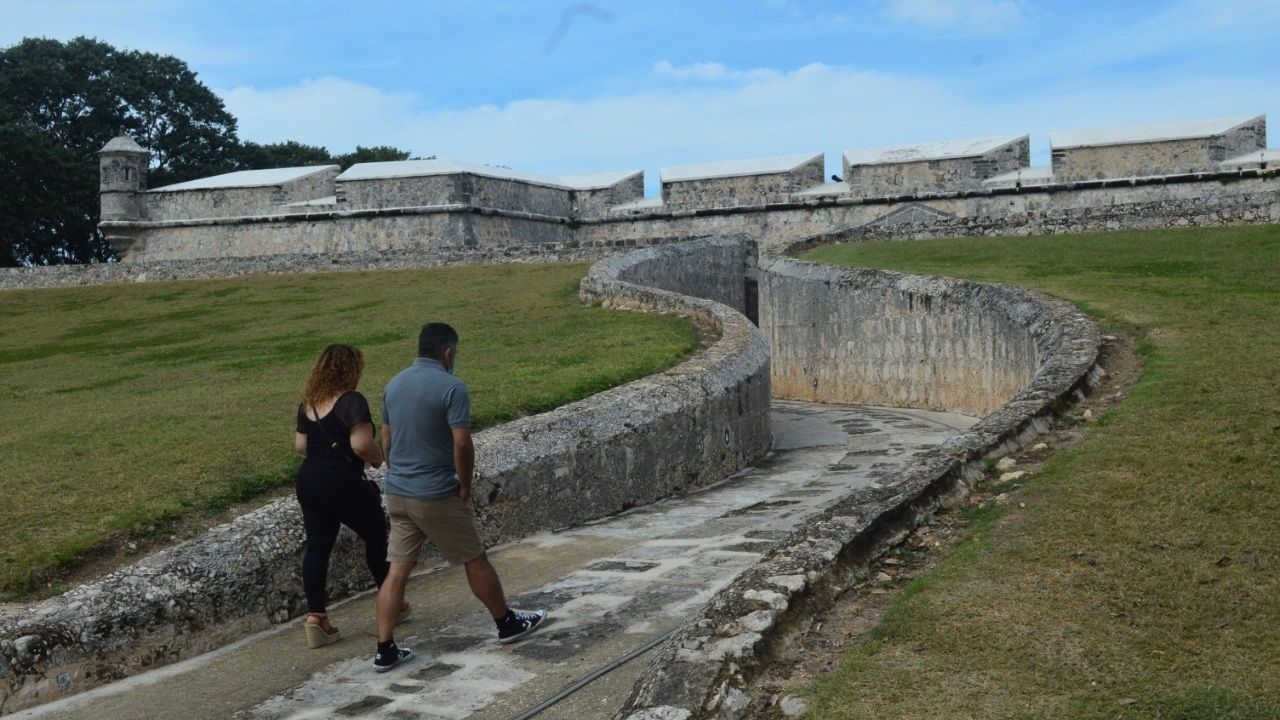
[(1155, 149), (739, 183), (934, 167), (594, 194), (277, 191), (436, 182)]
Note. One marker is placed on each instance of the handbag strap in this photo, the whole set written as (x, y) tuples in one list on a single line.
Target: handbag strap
[(319, 421)]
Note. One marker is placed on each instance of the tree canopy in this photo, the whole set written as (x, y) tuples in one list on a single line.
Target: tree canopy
[(255, 156), (60, 102)]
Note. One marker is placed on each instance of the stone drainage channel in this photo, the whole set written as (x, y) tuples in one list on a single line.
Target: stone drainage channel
[(612, 587)]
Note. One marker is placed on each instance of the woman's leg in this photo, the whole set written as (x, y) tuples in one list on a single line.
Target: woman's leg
[(322, 532), (364, 515)]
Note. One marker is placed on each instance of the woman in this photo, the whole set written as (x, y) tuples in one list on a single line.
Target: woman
[(335, 433)]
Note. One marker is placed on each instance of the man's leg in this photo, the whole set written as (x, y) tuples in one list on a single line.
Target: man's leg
[(485, 585), (391, 598)]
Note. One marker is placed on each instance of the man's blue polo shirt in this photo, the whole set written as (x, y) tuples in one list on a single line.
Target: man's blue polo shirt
[(422, 405)]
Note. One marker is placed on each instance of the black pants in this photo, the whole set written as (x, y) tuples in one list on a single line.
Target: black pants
[(331, 497)]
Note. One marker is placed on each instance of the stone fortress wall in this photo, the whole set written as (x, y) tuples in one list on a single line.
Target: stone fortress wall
[(1018, 357), (1202, 172)]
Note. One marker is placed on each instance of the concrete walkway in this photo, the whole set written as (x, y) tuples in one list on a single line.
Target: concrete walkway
[(611, 587)]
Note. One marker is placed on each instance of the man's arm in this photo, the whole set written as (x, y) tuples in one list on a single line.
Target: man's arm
[(464, 460)]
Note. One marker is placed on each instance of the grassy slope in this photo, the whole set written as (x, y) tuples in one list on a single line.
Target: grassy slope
[(1142, 581), (129, 405)]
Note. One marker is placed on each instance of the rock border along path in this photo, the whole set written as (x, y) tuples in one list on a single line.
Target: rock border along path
[(687, 427), (702, 670), (611, 585)]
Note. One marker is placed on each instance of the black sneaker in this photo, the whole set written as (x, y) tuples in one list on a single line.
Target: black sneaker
[(384, 661), (519, 623)]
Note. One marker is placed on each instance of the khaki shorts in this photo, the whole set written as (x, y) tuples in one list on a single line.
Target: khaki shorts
[(447, 523)]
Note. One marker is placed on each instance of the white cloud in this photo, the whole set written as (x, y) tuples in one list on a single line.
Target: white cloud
[(977, 16), (716, 112), (328, 111), (711, 72)]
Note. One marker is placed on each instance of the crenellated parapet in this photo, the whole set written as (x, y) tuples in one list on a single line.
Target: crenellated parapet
[(444, 183), (935, 167), (246, 192), (739, 183), (1155, 150), (1176, 173)]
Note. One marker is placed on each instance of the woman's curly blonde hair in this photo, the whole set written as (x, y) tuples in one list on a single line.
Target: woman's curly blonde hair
[(337, 370)]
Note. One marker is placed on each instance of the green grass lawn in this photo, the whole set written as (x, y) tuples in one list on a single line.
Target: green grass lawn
[(1143, 579), (128, 406)]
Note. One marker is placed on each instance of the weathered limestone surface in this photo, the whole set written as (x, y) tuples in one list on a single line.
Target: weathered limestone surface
[(712, 269), (724, 190), (596, 201), (936, 174), (1236, 197), (869, 337), (702, 672), (1156, 157), (223, 202), (684, 428), (461, 189)]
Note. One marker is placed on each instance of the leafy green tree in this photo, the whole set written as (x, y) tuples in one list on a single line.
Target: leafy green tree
[(59, 104), (256, 156), (381, 153)]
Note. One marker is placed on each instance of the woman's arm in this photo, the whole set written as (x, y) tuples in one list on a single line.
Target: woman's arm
[(300, 443), (364, 446)]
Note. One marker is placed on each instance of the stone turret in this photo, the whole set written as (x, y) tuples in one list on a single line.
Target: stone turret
[(123, 165)]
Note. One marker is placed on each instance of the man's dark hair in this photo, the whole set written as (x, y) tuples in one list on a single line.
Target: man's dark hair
[(435, 338)]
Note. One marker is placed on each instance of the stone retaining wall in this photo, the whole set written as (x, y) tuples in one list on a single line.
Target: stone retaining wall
[(1217, 198), (162, 270), (868, 337), (704, 670), (668, 433)]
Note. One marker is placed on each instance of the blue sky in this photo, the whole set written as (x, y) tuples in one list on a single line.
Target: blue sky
[(575, 87)]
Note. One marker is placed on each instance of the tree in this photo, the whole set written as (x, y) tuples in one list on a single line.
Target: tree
[(59, 104), (255, 156), (381, 153)]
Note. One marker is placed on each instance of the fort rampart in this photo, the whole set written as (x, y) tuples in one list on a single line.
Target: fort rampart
[(663, 435), (837, 335)]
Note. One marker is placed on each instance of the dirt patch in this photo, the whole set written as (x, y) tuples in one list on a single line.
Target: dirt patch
[(819, 650)]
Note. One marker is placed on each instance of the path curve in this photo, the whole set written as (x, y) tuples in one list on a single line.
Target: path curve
[(611, 586)]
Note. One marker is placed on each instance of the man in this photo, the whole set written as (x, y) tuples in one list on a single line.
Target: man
[(426, 438)]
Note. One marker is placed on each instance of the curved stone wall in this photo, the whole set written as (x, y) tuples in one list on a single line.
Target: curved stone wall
[(703, 671), (871, 337), (689, 426)]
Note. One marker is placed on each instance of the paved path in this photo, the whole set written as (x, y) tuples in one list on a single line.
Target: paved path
[(611, 587)]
